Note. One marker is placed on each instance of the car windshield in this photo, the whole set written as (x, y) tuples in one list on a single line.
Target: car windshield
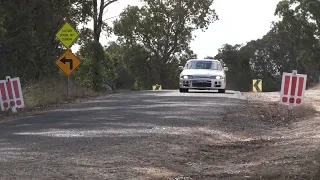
[(213, 65)]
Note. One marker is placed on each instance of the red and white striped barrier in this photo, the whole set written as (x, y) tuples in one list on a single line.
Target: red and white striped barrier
[(11, 94), (293, 88)]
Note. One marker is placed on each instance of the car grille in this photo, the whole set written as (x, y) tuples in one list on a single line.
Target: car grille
[(201, 84), (201, 77)]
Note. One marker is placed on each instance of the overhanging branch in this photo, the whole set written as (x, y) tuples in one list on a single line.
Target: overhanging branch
[(108, 3)]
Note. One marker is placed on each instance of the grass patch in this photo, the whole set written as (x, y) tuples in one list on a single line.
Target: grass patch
[(314, 87), (50, 93)]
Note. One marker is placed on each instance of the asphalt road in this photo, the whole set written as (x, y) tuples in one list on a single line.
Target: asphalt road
[(135, 135)]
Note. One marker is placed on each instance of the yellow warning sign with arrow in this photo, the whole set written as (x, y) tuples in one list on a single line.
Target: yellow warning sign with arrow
[(68, 62), (157, 87), (257, 85)]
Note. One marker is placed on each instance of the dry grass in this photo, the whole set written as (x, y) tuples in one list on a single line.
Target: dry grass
[(314, 87), (272, 112), (312, 97), (288, 140), (265, 107), (50, 93)]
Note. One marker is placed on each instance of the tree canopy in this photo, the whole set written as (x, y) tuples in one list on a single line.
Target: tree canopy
[(291, 44), (161, 31), (153, 40)]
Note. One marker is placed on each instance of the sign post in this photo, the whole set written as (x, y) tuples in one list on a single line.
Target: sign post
[(292, 89), (67, 62), (68, 86)]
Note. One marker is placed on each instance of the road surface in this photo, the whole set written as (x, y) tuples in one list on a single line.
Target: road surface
[(135, 135)]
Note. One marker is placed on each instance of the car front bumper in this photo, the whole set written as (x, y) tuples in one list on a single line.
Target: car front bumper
[(203, 83)]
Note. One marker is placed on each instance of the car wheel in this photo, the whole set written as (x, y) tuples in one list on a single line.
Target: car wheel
[(184, 90), (221, 90)]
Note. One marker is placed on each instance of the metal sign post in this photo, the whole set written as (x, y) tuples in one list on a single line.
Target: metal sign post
[(68, 84)]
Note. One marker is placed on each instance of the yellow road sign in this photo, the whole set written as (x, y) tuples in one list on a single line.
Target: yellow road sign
[(257, 85), (68, 62), (157, 87), (67, 35)]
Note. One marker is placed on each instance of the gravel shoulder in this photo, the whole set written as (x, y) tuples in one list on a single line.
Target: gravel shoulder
[(289, 145)]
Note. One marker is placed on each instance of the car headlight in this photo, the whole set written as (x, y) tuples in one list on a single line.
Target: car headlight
[(219, 77), (186, 77)]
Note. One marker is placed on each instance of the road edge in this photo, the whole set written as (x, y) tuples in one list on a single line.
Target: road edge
[(240, 95)]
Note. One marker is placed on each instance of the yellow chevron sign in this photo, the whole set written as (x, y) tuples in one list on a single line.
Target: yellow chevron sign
[(157, 87), (257, 85)]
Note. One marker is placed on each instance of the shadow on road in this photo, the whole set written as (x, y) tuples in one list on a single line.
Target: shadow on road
[(203, 92)]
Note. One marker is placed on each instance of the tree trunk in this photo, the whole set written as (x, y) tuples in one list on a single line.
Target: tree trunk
[(97, 28), (98, 54)]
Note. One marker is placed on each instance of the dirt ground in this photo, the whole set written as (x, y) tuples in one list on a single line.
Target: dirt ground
[(287, 147)]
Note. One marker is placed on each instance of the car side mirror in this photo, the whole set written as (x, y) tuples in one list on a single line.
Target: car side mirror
[(180, 68), (226, 68)]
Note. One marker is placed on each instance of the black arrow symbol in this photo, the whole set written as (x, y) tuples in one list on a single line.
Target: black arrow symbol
[(157, 87), (64, 61), (256, 85)]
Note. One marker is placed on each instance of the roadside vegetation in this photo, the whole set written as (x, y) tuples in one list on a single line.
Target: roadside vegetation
[(145, 53), (153, 40), (265, 139)]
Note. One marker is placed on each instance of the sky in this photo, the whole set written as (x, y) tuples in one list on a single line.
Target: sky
[(240, 21)]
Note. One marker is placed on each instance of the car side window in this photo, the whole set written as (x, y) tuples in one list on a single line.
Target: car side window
[(188, 65), (219, 67)]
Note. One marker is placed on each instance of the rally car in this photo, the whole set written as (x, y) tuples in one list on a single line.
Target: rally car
[(203, 74)]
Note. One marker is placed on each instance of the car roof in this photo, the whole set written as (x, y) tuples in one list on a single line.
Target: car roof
[(203, 60)]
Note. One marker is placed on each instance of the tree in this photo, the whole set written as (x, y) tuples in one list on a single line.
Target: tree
[(124, 78), (85, 75), (98, 26), (28, 44), (237, 60), (208, 57), (291, 44), (162, 29), (299, 30), (98, 23)]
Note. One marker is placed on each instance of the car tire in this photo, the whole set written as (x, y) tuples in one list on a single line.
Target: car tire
[(183, 90), (221, 90)]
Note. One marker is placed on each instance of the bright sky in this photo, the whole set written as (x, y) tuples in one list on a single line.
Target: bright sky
[(239, 21)]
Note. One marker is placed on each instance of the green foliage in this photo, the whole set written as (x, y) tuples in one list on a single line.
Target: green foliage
[(291, 44), (90, 69), (2, 17), (154, 36), (124, 78), (236, 59), (28, 47), (153, 40)]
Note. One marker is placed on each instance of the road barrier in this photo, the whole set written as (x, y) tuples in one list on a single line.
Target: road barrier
[(11, 94), (293, 88)]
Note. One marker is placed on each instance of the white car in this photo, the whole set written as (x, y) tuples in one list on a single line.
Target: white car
[(203, 74)]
